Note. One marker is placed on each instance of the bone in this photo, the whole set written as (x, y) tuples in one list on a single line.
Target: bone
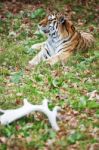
[(12, 115)]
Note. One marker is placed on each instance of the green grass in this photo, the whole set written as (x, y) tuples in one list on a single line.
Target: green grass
[(66, 86)]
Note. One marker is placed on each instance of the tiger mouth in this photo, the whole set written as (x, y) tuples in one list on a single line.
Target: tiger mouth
[(43, 29)]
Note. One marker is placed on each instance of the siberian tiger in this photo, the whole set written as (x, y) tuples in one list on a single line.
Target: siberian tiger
[(63, 40)]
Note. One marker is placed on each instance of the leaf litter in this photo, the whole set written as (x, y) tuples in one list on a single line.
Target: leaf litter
[(78, 127)]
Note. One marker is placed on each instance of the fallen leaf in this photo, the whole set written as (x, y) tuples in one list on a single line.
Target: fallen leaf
[(73, 122), (93, 95), (3, 140)]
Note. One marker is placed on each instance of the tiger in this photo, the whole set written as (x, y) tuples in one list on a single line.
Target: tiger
[(63, 39)]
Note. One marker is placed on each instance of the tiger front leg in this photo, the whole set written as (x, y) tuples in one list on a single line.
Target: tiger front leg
[(60, 57), (36, 60), (38, 46)]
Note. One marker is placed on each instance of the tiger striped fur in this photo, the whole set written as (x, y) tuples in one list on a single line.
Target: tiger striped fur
[(63, 40)]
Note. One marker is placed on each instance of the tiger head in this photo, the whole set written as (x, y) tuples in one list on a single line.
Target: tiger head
[(57, 23)]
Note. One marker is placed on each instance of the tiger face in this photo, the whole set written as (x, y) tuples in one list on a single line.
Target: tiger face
[(57, 24), (43, 26)]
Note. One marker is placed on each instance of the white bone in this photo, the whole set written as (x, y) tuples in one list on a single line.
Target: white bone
[(11, 115)]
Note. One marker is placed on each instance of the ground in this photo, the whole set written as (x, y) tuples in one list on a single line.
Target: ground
[(73, 86)]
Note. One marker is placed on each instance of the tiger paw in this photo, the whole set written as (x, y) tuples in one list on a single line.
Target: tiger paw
[(31, 65), (34, 47), (51, 61)]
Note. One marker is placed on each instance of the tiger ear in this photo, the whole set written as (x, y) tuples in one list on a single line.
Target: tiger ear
[(62, 19)]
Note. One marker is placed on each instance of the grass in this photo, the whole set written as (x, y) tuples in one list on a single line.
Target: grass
[(66, 86)]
